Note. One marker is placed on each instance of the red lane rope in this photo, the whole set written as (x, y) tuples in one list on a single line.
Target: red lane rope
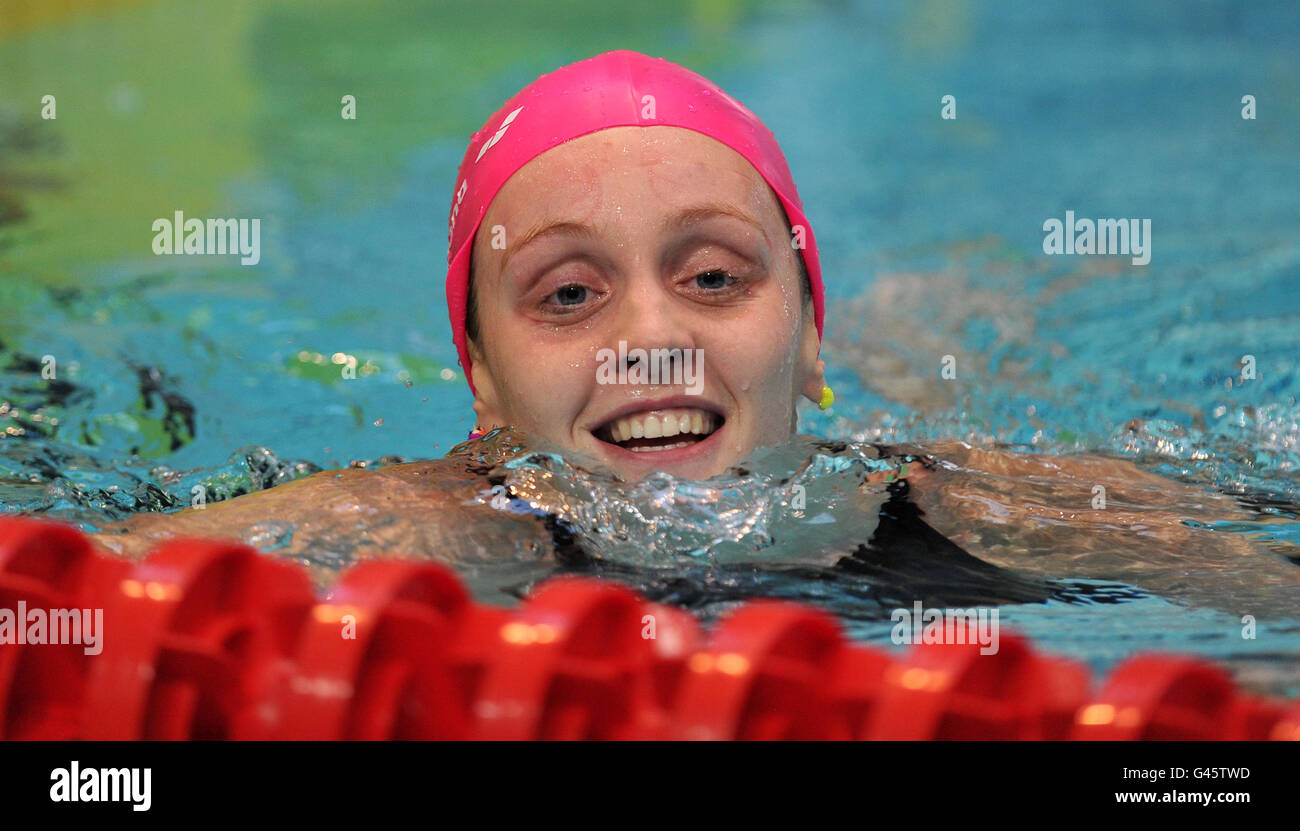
[(212, 640)]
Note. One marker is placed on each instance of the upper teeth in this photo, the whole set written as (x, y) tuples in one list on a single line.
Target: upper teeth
[(662, 423)]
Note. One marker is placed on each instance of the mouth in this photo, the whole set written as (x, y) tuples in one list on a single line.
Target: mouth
[(660, 430)]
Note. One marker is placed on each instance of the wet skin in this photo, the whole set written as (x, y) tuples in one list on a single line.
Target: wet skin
[(652, 238), (1031, 513)]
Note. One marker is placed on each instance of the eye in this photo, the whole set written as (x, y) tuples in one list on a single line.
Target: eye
[(715, 279), (573, 295)]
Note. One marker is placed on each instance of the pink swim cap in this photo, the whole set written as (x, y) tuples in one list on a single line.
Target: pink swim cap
[(595, 94)]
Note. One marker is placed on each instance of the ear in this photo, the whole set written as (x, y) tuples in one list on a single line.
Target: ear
[(812, 368), (815, 380), (487, 403)]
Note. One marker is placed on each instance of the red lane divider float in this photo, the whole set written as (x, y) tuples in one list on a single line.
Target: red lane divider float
[(764, 675), (953, 691), (374, 662), (1287, 729), (195, 634), (45, 566), (571, 664), (1162, 698), (212, 640)]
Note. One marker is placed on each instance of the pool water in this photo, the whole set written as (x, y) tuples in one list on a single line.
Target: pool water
[(176, 372)]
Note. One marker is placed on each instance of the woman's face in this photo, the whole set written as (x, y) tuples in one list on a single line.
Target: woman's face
[(653, 239)]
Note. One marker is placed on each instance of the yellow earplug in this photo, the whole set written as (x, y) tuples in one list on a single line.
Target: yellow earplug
[(828, 398)]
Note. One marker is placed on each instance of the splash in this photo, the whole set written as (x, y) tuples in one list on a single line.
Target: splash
[(802, 502)]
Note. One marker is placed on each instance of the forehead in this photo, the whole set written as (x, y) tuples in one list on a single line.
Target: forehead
[(645, 171)]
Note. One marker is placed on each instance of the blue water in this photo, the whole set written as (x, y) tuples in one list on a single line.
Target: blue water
[(930, 234)]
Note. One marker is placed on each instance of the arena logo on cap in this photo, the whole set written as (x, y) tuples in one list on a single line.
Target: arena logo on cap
[(505, 125), (464, 185)]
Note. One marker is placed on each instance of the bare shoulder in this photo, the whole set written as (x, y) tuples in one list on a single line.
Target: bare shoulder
[(412, 504), (998, 501), (1074, 473)]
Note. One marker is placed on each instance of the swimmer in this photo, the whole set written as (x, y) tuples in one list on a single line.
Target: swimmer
[(625, 206)]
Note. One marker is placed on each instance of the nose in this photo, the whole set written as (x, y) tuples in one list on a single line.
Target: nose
[(650, 316)]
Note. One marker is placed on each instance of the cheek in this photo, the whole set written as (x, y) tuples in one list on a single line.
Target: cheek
[(756, 358), (543, 385)]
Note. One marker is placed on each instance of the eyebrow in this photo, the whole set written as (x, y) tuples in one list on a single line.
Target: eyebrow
[(684, 219)]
